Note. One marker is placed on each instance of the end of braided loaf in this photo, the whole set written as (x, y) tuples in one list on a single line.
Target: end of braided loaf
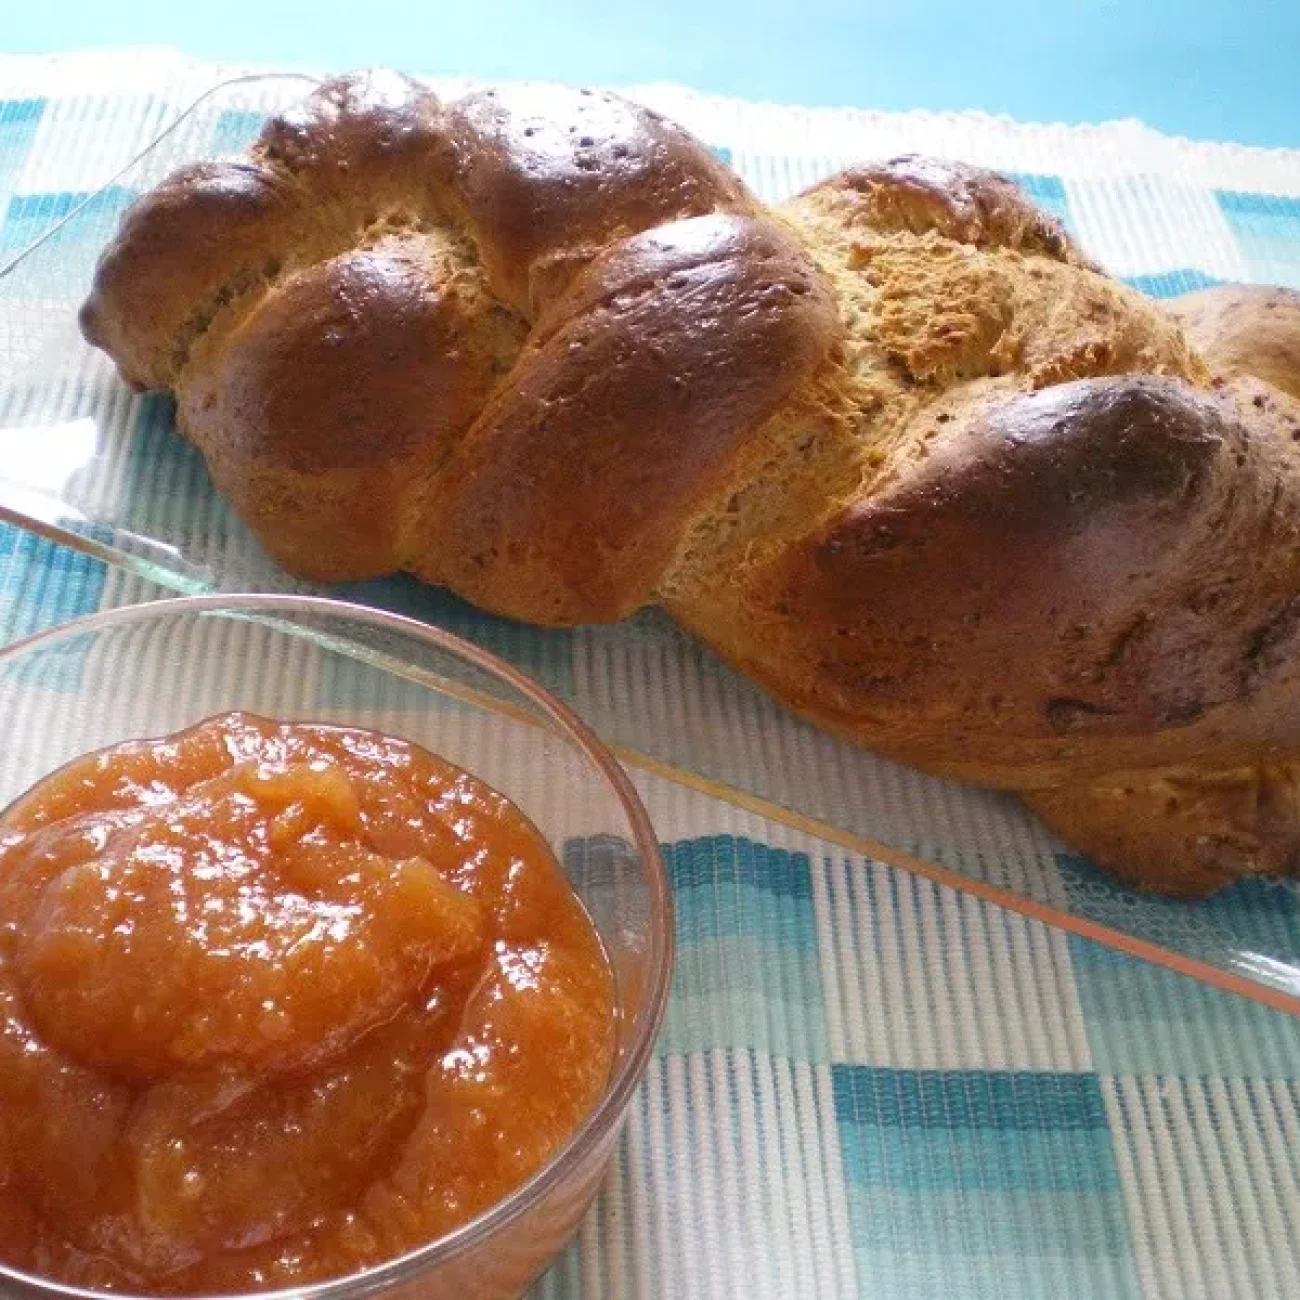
[(336, 311), (215, 232)]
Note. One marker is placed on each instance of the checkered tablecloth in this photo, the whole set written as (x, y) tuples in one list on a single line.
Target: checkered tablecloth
[(870, 1085)]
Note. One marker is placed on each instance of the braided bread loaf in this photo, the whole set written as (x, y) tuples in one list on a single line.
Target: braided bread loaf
[(898, 450)]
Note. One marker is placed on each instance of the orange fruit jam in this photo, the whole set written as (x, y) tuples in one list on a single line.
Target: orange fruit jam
[(278, 1002)]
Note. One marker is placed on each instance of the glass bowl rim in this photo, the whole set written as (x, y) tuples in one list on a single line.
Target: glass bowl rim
[(608, 1112)]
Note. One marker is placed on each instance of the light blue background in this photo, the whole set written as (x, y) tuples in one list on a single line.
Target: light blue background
[(1211, 69)]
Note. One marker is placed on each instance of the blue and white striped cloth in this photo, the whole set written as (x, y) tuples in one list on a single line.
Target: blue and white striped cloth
[(869, 1084)]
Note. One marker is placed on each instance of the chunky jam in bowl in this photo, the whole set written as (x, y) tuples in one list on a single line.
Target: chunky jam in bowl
[(278, 1002)]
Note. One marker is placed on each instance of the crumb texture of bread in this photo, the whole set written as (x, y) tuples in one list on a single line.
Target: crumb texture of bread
[(898, 449)]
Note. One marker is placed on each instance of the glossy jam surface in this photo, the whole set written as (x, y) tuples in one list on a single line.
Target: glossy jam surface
[(278, 1002)]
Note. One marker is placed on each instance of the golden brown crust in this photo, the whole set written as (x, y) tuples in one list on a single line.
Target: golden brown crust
[(208, 232), (567, 501), (365, 137), (548, 176), (300, 305), (344, 386), (901, 451), (350, 363), (216, 230), (1246, 329), (212, 232)]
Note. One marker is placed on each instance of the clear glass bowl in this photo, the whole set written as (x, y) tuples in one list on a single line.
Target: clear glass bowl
[(145, 670)]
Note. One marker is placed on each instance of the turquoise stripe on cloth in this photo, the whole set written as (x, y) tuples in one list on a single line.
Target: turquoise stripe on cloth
[(43, 584), (980, 1183), (1169, 284), (1142, 1019), (1046, 190), (747, 972), (19, 119), (1267, 229)]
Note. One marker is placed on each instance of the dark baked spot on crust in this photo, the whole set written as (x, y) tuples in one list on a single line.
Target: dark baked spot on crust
[(1274, 640), (1066, 715), (349, 119)]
